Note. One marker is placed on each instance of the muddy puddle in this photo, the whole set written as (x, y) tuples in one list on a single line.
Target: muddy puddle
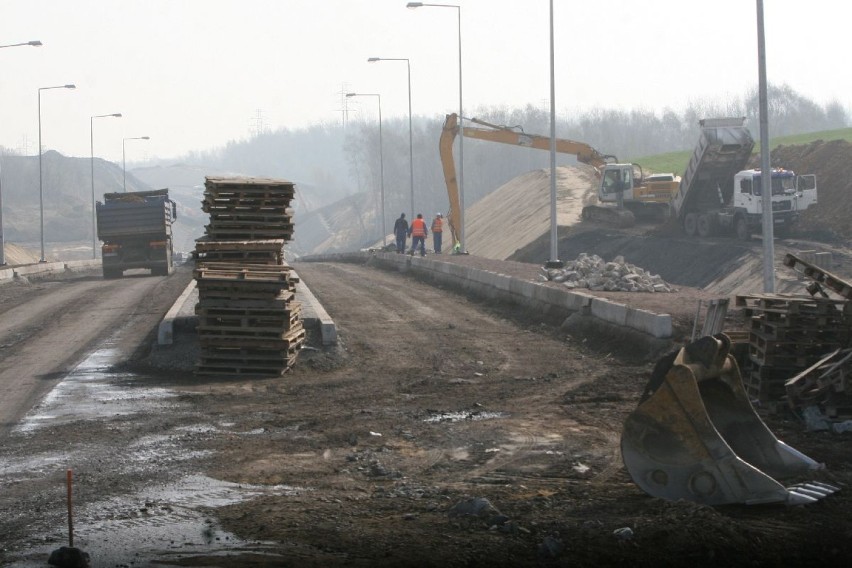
[(439, 417), (142, 519)]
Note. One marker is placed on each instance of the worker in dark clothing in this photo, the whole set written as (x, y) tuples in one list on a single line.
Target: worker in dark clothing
[(400, 231), (437, 232), (418, 234)]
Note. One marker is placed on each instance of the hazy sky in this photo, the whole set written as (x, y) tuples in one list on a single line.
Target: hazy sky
[(193, 74)]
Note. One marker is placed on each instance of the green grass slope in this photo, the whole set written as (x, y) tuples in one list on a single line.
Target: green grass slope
[(676, 161)]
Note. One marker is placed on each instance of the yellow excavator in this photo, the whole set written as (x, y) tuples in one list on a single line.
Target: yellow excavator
[(624, 185)]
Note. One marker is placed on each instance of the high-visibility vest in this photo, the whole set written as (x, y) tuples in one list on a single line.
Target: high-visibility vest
[(437, 225), (418, 228)]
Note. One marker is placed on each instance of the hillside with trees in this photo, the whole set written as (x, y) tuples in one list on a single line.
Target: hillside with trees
[(340, 164)]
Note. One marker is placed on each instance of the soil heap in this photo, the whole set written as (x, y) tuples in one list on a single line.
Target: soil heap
[(832, 163)]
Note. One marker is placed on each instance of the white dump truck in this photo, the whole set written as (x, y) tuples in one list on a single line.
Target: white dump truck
[(718, 196)]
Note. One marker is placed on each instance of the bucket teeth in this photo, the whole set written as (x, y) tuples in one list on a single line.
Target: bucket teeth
[(696, 436)]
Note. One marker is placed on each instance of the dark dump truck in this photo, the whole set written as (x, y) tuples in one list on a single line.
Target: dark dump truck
[(136, 229)]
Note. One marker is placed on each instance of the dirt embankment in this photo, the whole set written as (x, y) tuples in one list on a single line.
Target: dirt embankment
[(832, 163)]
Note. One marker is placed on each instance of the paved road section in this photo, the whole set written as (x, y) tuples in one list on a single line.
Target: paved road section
[(48, 326)]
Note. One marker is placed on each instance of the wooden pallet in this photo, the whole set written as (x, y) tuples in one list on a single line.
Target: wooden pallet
[(249, 234), (788, 305), (284, 301), (244, 273), (245, 181), (820, 275), (228, 310), (207, 245), (250, 214), (291, 341), (253, 293), (792, 330)]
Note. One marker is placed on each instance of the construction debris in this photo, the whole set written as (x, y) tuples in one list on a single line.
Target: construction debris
[(594, 273), (799, 347), (787, 335), (249, 323), (824, 387)]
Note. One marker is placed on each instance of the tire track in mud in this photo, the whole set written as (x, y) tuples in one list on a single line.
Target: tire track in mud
[(515, 362)]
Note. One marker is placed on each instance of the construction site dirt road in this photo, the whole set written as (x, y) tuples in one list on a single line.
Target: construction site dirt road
[(442, 431)]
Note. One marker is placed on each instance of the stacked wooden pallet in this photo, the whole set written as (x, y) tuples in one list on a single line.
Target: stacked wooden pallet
[(248, 320), (248, 208), (266, 251), (787, 335)]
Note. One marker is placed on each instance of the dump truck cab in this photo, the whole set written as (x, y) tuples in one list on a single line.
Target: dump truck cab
[(791, 195)]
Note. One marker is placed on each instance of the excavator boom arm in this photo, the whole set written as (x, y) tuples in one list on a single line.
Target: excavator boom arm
[(494, 133), (448, 163)]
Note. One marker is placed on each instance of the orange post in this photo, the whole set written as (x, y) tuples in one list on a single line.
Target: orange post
[(70, 517)]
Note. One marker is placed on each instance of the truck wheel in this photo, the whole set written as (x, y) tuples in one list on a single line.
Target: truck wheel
[(742, 230), (690, 224), (110, 273), (705, 226)]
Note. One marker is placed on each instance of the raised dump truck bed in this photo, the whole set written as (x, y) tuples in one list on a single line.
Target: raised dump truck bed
[(717, 195), (724, 148)]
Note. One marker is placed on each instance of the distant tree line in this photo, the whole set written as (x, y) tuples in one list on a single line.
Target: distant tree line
[(333, 161)]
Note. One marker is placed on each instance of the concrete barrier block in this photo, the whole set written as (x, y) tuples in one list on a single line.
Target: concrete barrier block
[(502, 282), (579, 302), (548, 294), (165, 331), (656, 325), (608, 311), (43, 268), (522, 288)]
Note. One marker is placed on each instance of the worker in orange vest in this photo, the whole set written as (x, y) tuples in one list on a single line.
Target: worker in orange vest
[(437, 232), (418, 233)]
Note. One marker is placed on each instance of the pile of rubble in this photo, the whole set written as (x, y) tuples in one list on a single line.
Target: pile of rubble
[(594, 273)]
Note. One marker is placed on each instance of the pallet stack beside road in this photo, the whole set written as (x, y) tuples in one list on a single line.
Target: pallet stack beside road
[(249, 322), (787, 335)]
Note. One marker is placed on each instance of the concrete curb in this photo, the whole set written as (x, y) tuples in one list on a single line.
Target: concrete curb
[(165, 331), (311, 308), (44, 269), (328, 328), (534, 295)]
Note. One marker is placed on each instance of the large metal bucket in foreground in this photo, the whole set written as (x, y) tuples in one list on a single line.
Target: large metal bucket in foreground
[(696, 436)]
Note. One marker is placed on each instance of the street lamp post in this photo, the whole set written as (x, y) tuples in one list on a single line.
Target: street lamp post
[(410, 138), (92, 146), (124, 160), (40, 186), (554, 261), (381, 162), (35, 43), (461, 243)]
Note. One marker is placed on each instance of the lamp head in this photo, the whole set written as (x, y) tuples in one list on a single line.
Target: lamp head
[(144, 137), (373, 59), (351, 95), (413, 5), (70, 86), (117, 115), (35, 43)]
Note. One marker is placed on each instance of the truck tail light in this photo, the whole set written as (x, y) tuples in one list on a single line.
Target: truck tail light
[(157, 244), (110, 248)]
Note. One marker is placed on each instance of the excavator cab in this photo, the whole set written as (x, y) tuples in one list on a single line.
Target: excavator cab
[(616, 179), (696, 436)]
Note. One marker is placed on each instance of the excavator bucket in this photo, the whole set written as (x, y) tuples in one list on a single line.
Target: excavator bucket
[(695, 436)]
